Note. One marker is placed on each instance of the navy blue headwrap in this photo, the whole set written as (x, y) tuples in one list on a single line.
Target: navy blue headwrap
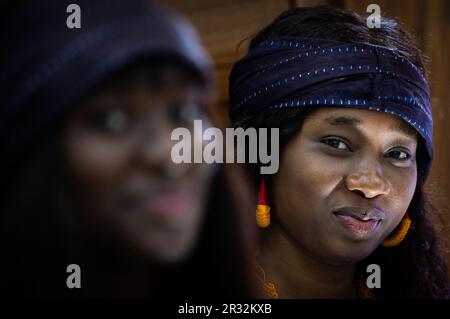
[(292, 72), (47, 67)]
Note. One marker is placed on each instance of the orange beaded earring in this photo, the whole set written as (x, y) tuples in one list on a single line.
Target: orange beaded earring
[(398, 235), (263, 208)]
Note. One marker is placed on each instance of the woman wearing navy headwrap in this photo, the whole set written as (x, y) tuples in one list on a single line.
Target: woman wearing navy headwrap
[(345, 216), (87, 176)]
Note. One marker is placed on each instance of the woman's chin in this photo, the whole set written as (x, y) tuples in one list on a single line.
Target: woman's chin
[(345, 253), (170, 250)]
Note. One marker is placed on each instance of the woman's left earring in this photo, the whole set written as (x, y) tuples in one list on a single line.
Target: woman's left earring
[(263, 208), (398, 235)]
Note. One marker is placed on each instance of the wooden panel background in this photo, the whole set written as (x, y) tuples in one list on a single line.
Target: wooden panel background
[(223, 24)]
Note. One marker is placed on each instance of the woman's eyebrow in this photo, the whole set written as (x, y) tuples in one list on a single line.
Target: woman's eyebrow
[(342, 120), (405, 129)]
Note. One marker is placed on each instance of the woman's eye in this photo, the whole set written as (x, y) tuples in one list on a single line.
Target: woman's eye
[(399, 155), (335, 143), (184, 113), (111, 120)]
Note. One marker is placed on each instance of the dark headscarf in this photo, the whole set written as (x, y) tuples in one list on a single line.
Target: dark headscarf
[(293, 72)]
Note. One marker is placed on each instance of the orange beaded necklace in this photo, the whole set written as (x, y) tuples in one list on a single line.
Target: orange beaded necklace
[(270, 291)]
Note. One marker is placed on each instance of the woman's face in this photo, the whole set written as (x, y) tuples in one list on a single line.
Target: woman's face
[(118, 146), (345, 182)]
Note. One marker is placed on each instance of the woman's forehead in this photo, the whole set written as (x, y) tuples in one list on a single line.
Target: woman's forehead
[(353, 117)]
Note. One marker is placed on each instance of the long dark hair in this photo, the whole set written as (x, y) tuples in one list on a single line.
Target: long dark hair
[(414, 268), (42, 232)]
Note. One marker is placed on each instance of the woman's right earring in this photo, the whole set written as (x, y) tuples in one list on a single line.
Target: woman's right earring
[(263, 208)]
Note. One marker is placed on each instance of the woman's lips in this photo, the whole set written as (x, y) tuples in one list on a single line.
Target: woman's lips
[(172, 203), (360, 222), (358, 227)]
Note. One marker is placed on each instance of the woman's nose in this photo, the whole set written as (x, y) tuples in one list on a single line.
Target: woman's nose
[(153, 145), (368, 180)]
